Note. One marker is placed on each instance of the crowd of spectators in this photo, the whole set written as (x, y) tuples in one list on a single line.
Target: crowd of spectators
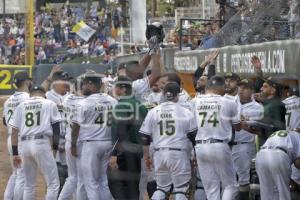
[(56, 25), (54, 40), (12, 41), (246, 22)]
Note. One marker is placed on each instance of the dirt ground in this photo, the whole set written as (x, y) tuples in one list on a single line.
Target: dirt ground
[(5, 169)]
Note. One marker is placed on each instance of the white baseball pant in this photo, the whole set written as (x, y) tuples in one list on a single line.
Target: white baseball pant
[(216, 169), (273, 167), (199, 193), (37, 154), (15, 186), (296, 174), (171, 167), (70, 185), (242, 155), (94, 162), (80, 192)]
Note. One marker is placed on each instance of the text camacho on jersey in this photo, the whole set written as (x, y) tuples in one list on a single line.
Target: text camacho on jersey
[(288, 140), (11, 104), (168, 125), (292, 117), (69, 108), (215, 115), (35, 117), (249, 112), (94, 116)]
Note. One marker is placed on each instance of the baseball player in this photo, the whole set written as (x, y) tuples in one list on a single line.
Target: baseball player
[(15, 185), (216, 115), (273, 164), (69, 107), (92, 126), (184, 97), (170, 127), (142, 86), (141, 89), (60, 88), (292, 119), (154, 96), (37, 121), (292, 105), (243, 146)]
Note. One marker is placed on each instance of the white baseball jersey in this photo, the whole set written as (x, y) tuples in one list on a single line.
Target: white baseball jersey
[(168, 125), (141, 89), (94, 115), (288, 140), (292, 117), (35, 116), (154, 98), (10, 105), (69, 107), (56, 98), (249, 111), (215, 115)]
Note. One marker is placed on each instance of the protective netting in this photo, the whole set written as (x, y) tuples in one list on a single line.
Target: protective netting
[(266, 20)]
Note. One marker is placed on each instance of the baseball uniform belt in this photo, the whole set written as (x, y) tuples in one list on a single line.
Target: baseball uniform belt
[(209, 141), (169, 149), (32, 137), (238, 143), (278, 148)]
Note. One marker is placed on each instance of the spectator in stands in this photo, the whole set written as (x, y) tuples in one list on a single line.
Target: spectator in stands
[(211, 40), (41, 56), (107, 57)]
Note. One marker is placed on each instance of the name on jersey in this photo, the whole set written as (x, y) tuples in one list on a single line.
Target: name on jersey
[(166, 115), (33, 107), (209, 107), (101, 108), (13, 105), (293, 107)]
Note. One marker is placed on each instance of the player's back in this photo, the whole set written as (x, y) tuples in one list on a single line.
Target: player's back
[(170, 125), (287, 140), (215, 115), (292, 117), (11, 104), (94, 115), (35, 116), (69, 108)]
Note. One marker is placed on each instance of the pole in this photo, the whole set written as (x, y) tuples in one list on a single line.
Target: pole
[(203, 9), (30, 33), (122, 39), (4, 11)]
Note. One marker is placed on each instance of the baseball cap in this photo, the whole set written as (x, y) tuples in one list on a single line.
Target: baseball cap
[(171, 90), (232, 76), (91, 77), (21, 76), (38, 88), (246, 82), (61, 75), (273, 83), (125, 65), (123, 81)]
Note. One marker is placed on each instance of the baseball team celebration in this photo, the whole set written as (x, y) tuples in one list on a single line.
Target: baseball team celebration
[(150, 99)]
